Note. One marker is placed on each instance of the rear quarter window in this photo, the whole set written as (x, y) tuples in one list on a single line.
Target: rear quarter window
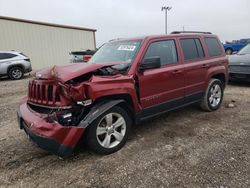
[(213, 46)]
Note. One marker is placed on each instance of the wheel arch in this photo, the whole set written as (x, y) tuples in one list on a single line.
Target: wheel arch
[(218, 72), (15, 65), (221, 77), (127, 103), (103, 104)]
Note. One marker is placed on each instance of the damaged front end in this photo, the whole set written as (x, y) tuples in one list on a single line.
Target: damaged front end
[(50, 116), (55, 106), (58, 101)]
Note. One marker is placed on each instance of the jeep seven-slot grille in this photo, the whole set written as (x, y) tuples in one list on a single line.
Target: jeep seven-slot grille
[(43, 92)]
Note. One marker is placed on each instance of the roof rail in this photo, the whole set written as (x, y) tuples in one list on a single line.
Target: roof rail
[(179, 32)]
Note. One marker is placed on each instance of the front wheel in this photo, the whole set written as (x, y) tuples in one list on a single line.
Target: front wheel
[(109, 132), (213, 96)]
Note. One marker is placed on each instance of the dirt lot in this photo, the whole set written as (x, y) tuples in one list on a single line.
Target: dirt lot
[(186, 148)]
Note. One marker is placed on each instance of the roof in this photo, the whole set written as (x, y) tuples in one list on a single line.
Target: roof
[(162, 36), (46, 24)]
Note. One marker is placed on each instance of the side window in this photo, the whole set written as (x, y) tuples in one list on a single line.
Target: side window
[(192, 48), (2, 56), (6, 55), (166, 50), (213, 46)]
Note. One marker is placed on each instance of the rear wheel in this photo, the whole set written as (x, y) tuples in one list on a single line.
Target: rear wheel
[(109, 132), (15, 73), (213, 96)]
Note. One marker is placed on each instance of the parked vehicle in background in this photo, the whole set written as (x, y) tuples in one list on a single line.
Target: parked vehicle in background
[(14, 64), (235, 46), (239, 65), (81, 56), (126, 82)]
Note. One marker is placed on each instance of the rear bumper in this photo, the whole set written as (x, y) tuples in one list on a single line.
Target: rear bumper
[(29, 69), (52, 137)]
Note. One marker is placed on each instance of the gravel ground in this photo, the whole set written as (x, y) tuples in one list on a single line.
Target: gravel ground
[(185, 148)]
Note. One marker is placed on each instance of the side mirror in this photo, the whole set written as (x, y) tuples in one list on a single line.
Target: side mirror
[(150, 63), (235, 52)]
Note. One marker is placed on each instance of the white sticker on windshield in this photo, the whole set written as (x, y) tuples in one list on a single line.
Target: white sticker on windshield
[(127, 47)]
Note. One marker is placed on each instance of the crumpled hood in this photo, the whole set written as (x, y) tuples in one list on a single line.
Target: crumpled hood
[(70, 71), (238, 59)]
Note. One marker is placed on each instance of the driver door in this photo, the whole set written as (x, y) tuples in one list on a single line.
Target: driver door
[(161, 88)]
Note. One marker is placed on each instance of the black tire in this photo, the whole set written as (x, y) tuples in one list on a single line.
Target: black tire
[(15, 73), (229, 51), (92, 140), (205, 103)]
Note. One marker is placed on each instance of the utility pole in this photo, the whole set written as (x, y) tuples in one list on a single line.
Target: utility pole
[(166, 16)]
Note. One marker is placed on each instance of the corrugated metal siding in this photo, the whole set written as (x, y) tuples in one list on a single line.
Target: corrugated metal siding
[(45, 45)]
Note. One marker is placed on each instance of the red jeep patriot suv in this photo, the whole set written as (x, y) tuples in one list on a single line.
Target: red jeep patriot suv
[(126, 82)]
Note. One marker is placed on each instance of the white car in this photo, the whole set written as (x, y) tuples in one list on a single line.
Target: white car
[(14, 64)]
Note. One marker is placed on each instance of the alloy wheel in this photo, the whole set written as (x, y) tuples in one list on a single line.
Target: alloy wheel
[(16, 73), (111, 130), (215, 95)]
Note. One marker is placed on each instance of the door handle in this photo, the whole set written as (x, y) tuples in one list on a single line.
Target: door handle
[(205, 66), (177, 71)]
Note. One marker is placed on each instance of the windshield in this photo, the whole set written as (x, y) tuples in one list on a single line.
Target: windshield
[(119, 51), (245, 50)]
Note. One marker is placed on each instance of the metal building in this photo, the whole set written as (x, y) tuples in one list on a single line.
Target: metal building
[(45, 44)]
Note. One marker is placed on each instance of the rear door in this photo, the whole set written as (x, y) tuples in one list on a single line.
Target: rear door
[(159, 86), (195, 67)]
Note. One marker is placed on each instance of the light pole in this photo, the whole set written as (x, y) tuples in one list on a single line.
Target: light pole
[(166, 17)]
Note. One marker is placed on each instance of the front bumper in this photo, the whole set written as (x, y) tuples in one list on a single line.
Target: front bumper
[(239, 77), (53, 137)]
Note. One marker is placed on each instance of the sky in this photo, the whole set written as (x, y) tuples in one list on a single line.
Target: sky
[(229, 19)]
